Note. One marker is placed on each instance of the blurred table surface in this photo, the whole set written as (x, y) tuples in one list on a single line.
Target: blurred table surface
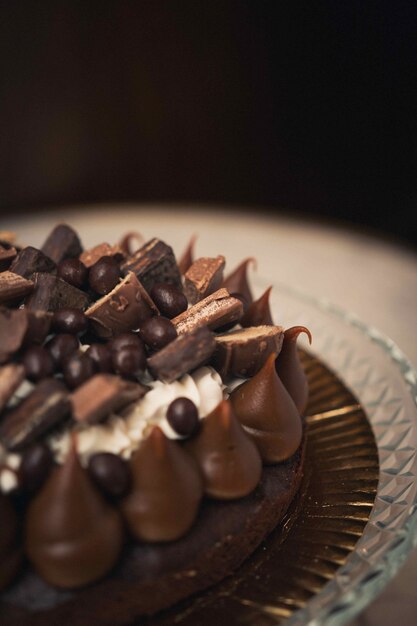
[(372, 278)]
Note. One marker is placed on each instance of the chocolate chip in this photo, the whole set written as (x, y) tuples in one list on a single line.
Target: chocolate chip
[(61, 347), (36, 464), (101, 356), (182, 416), (72, 321), (77, 369), (125, 339), (74, 272), (129, 361), (110, 473), (38, 363), (169, 299), (104, 275), (157, 332)]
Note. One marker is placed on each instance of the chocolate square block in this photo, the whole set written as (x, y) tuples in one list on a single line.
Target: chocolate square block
[(62, 243), (154, 263), (218, 309), (203, 278), (52, 293), (31, 260)]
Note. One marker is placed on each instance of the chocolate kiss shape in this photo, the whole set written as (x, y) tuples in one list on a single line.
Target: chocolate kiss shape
[(267, 412), (229, 460), (237, 281), (166, 493), (258, 313), (290, 369), (73, 537), (187, 257), (10, 552)]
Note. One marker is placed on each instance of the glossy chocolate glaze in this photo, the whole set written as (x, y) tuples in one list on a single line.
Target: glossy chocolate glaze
[(290, 369), (268, 414), (259, 312)]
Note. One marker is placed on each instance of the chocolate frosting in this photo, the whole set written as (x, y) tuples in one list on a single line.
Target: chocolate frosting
[(268, 414), (258, 313), (166, 493), (290, 369), (230, 462), (10, 552), (73, 536), (187, 257), (237, 281)]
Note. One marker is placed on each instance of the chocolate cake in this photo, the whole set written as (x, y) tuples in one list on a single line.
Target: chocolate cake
[(151, 431)]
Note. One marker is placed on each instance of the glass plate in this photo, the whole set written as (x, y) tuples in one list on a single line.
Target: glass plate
[(385, 383)]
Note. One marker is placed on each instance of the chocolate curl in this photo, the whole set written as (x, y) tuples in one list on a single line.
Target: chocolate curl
[(259, 312), (126, 242), (290, 369), (187, 257), (237, 281)]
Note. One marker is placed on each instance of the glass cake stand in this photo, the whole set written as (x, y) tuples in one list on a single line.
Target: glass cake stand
[(385, 383)]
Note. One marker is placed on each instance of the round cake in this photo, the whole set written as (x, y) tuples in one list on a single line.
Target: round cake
[(151, 430)]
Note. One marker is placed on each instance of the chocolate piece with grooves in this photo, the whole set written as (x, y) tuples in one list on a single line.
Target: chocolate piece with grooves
[(52, 293), (91, 256), (14, 287), (31, 260), (154, 263), (101, 395), (121, 310), (45, 407), (217, 309), (7, 254), (62, 243), (182, 355), (11, 376), (244, 351), (203, 278)]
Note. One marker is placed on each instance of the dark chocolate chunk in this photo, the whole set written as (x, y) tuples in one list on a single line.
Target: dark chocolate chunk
[(103, 394), (7, 254), (214, 311), (31, 260), (121, 310), (52, 293), (13, 287), (74, 272), (182, 355), (37, 462), (154, 263), (11, 376), (13, 328), (91, 256), (110, 473), (182, 416), (203, 278), (44, 408), (169, 299), (243, 352), (62, 243)]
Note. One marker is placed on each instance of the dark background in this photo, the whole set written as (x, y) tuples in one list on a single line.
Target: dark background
[(309, 107)]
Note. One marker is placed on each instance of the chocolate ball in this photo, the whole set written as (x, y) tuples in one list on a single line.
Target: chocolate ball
[(61, 347), (129, 361), (169, 300), (182, 416), (38, 363), (157, 332), (125, 339), (72, 321), (77, 369), (104, 275), (110, 473), (101, 356), (73, 271), (36, 464)]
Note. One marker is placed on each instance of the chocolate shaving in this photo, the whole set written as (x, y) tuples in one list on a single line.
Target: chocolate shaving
[(182, 355), (217, 309), (91, 256), (11, 376), (31, 260), (62, 243), (52, 293), (126, 242), (7, 254), (243, 352), (44, 408), (154, 263), (103, 394), (13, 287), (203, 278)]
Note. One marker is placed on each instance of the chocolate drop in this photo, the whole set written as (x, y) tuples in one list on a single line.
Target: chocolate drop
[(166, 492), (187, 256), (10, 552), (237, 281), (268, 413), (258, 313), (290, 369), (228, 458), (73, 537)]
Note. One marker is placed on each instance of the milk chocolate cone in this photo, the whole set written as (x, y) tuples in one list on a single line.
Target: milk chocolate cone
[(10, 551), (230, 463), (290, 369), (73, 537), (258, 313), (237, 282), (166, 493), (268, 414), (187, 257)]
